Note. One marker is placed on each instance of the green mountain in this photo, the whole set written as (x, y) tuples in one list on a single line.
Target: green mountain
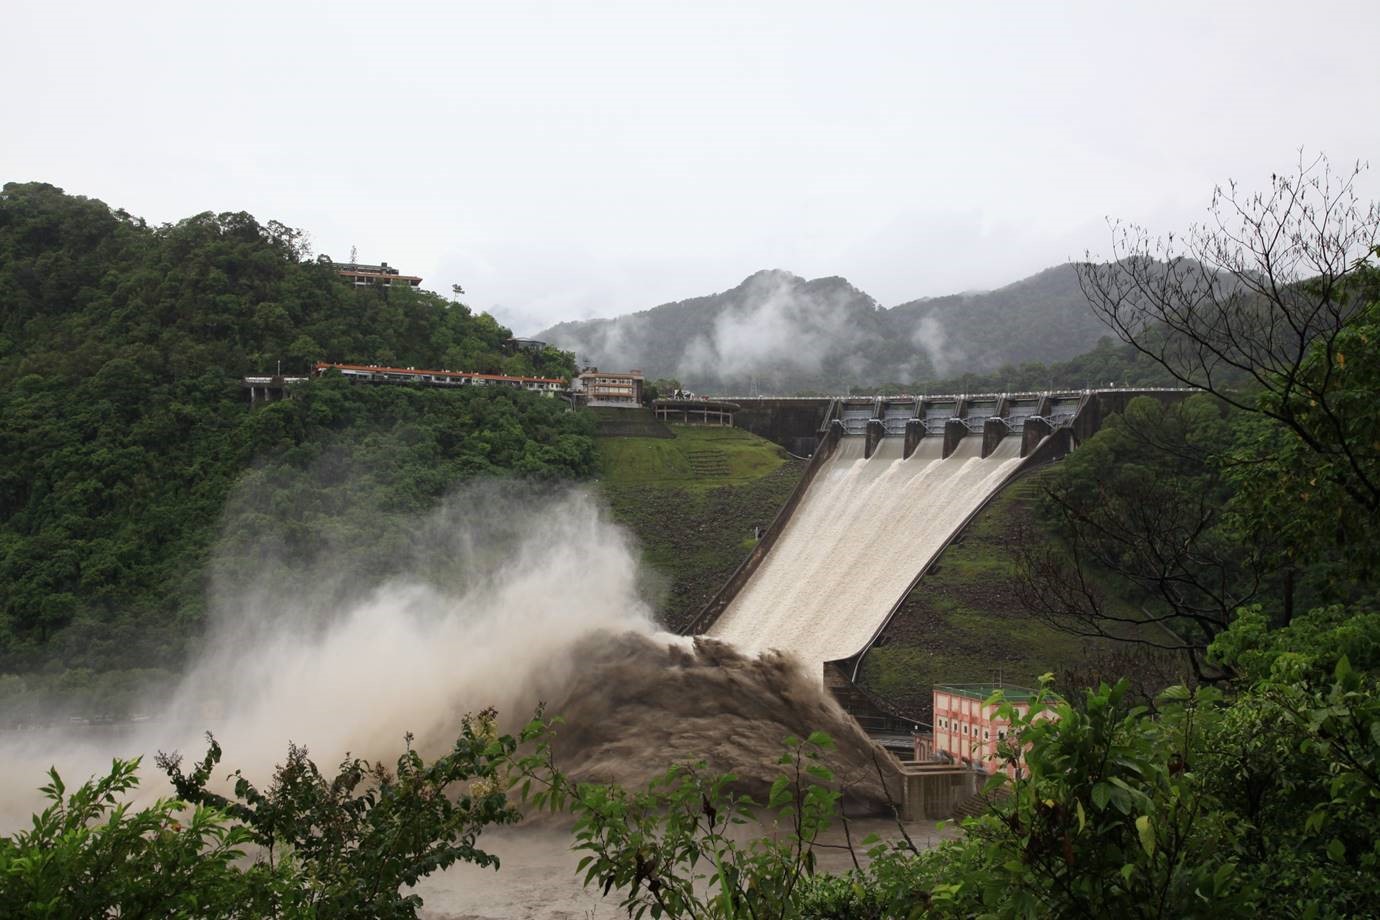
[(779, 333), (124, 428)]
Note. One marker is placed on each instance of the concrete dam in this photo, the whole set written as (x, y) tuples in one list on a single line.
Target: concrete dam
[(856, 541), (890, 483)]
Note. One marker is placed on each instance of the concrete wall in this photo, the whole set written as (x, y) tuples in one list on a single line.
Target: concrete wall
[(954, 431), (1097, 406), (875, 432), (993, 430), (792, 423), (915, 430), (933, 793), (1034, 431)]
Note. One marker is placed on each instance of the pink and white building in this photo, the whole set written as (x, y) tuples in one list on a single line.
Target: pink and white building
[(967, 727)]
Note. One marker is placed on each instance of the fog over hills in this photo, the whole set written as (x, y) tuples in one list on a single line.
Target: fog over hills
[(777, 332)]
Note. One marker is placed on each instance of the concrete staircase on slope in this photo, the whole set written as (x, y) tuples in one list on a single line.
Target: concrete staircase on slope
[(881, 722)]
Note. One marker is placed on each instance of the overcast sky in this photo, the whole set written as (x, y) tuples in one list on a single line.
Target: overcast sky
[(564, 159)]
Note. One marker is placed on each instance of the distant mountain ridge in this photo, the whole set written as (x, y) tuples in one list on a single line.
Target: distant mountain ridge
[(778, 332)]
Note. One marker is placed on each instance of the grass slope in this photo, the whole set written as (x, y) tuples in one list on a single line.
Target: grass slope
[(692, 501), (963, 623)]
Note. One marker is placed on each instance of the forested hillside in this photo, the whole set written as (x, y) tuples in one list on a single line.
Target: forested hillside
[(124, 428), (778, 333), (775, 331), (1044, 318)]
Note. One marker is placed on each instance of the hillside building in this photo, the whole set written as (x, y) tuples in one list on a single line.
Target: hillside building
[(607, 388), (967, 728), (372, 373), (270, 387), (382, 275)]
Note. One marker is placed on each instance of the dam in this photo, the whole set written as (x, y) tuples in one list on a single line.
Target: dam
[(856, 541), (890, 483)]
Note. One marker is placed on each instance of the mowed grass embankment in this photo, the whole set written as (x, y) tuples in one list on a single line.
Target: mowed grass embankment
[(696, 458), (693, 501)]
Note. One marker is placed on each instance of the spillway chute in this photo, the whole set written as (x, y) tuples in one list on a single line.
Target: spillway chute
[(862, 532)]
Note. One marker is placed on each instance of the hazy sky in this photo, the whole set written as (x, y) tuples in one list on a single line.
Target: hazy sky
[(564, 159)]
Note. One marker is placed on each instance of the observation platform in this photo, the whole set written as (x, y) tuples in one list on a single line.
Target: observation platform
[(696, 411)]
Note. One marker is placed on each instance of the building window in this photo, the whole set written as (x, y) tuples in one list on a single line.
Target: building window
[(986, 735)]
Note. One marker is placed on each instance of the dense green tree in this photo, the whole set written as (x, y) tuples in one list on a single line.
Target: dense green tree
[(1140, 513), (310, 845), (90, 854), (1261, 307), (124, 428), (1313, 493)]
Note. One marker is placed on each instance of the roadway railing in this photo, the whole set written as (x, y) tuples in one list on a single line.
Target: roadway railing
[(1015, 394)]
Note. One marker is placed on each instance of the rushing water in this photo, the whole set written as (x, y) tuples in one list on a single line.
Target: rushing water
[(541, 604), (862, 532)]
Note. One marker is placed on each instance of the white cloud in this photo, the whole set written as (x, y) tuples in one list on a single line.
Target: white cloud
[(573, 159)]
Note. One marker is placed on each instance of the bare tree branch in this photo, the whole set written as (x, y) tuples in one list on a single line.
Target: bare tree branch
[(1244, 305)]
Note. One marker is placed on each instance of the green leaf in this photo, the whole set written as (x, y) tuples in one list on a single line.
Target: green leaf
[(1146, 830), (1343, 668), (1176, 693), (1101, 793), (1336, 850), (1082, 818), (1220, 877)]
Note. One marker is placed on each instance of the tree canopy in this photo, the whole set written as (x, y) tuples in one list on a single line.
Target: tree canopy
[(124, 428)]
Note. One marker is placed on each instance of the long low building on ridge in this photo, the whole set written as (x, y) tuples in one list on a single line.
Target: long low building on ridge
[(372, 373)]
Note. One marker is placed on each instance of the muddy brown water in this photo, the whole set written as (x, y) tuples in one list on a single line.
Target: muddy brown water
[(537, 878)]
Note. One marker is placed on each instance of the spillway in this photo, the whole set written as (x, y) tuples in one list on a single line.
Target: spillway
[(862, 532)]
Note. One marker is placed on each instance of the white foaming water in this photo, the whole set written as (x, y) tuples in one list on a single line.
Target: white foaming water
[(859, 536), (536, 576), (534, 596)]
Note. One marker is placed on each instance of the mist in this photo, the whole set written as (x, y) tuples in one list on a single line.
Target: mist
[(779, 334), (930, 337), (776, 326), (775, 331), (508, 595)]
